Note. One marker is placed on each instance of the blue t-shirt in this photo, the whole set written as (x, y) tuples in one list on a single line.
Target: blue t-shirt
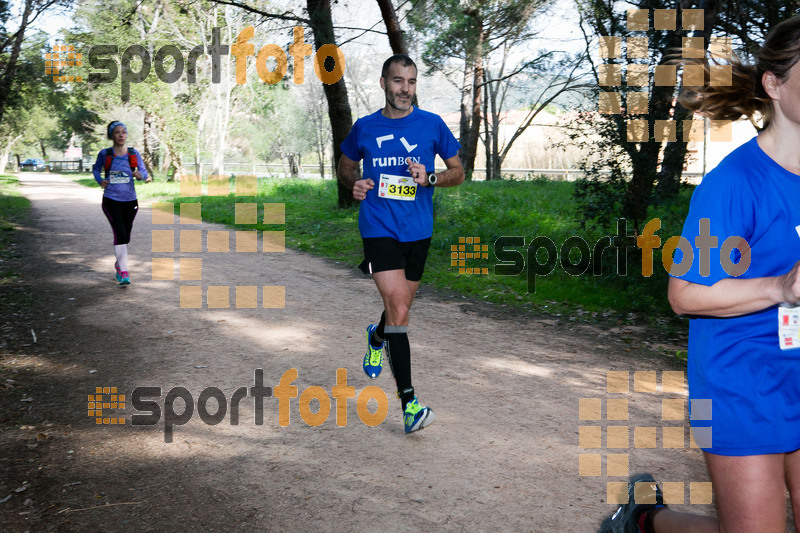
[(384, 144), (737, 363), (121, 187)]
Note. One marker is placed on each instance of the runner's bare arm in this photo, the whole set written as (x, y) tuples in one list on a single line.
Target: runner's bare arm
[(734, 297), (452, 176), (350, 178), (348, 172)]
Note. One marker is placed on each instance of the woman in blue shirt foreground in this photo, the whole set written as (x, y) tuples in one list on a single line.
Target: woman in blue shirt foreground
[(746, 375), (119, 193)]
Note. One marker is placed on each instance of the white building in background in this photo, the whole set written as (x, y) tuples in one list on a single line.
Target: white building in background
[(543, 145), (704, 156)]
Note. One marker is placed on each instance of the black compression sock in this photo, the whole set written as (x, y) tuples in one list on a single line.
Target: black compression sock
[(400, 356), (406, 396), (376, 340)]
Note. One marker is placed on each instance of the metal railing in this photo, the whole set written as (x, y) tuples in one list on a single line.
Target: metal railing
[(68, 166), (312, 171)]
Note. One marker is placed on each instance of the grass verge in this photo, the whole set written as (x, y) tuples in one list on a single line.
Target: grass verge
[(478, 213), (14, 210)]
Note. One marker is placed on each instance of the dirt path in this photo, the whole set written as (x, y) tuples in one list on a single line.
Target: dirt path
[(503, 454)]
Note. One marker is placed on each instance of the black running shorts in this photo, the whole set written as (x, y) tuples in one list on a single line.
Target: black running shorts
[(386, 253)]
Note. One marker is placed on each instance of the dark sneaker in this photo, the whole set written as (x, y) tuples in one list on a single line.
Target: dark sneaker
[(643, 495)]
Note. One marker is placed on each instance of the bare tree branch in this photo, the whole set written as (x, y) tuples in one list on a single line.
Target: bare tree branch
[(286, 15)]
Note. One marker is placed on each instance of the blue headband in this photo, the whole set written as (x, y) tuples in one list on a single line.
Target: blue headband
[(114, 125)]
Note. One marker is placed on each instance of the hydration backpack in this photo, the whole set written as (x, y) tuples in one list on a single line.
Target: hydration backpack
[(132, 161)]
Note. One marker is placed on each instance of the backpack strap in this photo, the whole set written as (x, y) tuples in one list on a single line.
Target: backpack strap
[(133, 162), (109, 158)]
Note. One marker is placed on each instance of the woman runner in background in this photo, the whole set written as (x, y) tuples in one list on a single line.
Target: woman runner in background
[(746, 372), (114, 170)]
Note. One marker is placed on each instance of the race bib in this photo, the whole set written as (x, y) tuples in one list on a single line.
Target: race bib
[(117, 176), (789, 327), (397, 188)]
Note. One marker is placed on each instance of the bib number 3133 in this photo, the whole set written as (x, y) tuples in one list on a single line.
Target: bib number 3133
[(397, 188)]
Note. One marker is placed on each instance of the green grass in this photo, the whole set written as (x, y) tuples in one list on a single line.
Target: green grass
[(14, 210), (486, 210), (144, 191), (13, 206)]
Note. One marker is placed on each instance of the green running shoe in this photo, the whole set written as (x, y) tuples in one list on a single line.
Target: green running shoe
[(373, 360), (416, 416)]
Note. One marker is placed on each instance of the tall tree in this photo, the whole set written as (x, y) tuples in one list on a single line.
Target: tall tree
[(488, 41), (655, 167), (31, 114), (645, 99), (341, 117), (320, 20), (11, 41), (397, 39)]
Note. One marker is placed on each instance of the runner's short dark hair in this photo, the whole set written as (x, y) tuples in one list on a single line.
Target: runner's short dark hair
[(403, 59)]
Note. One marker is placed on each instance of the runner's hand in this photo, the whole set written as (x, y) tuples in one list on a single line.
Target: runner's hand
[(104, 183), (137, 174), (361, 187), (789, 284), (418, 172)]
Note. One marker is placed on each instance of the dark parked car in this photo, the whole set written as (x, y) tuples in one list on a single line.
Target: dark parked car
[(35, 165)]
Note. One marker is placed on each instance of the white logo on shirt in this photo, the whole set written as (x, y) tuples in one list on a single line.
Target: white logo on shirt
[(384, 138), (392, 161), (409, 147)]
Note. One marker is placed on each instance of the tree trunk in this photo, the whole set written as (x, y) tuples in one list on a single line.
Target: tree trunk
[(469, 148), (491, 93), (320, 153), (176, 161), (7, 80), (222, 117), (147, 154), (464, 130), (669, 178), (487, 138), (174, 154), (197, 140), (338, 105), (396, 38), (7, 150)]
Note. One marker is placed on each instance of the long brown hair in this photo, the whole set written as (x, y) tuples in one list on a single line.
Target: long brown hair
[(745, 96)]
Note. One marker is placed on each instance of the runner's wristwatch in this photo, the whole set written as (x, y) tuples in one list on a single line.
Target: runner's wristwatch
[(432, 179)]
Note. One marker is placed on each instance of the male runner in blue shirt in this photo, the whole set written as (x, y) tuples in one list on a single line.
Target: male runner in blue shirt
[(398, 145)]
